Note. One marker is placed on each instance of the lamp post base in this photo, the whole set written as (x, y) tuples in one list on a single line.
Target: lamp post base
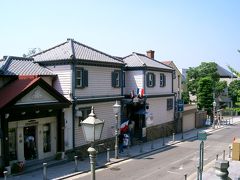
[(92, 155)]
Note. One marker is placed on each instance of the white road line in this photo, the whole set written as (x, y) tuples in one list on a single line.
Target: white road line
[(186, 157), (173, 172)]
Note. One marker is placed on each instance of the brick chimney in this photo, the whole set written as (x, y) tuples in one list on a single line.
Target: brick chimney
[(150, 54)]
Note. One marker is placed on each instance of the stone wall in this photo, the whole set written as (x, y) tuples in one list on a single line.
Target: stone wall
[(201, 117), (161, 130)]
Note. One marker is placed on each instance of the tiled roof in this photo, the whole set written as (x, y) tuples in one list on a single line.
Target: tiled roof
[(19, 87), (21, 66), (223, 73), (14, 89), (68, 49), (166, 62), (141, 60)]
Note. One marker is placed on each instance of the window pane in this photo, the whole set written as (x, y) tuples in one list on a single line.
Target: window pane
[(169, 104), (46, 138), (12, 143), (117, 79), (79, 77), (150, 79)]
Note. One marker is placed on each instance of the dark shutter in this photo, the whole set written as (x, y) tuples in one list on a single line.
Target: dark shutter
[(124, 76), (154, 82), (113, 79), (75, 80), (147, 78), (164, 80), (120, 78), (85, 78)]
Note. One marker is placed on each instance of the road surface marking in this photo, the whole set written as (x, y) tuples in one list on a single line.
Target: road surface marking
[(173, 172)]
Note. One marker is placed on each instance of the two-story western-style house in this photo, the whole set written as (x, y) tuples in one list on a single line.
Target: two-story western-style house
[(177, 79), (87, 77), (31, 112), (45, 98), (149, 102)]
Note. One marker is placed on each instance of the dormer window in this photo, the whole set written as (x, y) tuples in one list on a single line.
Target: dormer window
[(150, 79)]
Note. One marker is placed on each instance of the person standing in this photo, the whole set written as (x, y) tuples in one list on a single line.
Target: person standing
[(120, 142)]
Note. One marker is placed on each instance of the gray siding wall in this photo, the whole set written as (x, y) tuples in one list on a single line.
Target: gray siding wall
[(63, 83), (157, 89), (158, 108), (103, 111), (99, 82)]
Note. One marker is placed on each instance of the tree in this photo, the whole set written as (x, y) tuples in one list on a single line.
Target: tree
[(185, 97), (234, 71), (233, 91), (204, 94), (203, 70), (31, 52), (220, 87)]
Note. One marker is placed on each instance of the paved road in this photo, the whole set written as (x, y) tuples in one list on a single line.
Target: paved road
[(169, 163)]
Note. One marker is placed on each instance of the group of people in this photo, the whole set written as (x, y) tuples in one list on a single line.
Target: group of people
[(125, 137)]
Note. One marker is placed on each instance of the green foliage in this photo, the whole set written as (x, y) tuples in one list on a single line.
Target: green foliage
[(185, 97), (17, 167), (220, 86), (233, 91), (202, 71), (234, 71), (58, 156), (31, 52), (204, 94)]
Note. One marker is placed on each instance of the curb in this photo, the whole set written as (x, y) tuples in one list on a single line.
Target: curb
[(127, 158), (143, 153)]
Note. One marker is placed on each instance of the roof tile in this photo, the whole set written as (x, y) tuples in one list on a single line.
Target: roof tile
[(66, 50)]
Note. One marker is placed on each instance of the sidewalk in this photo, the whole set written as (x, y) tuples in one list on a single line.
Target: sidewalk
[(68, 169)]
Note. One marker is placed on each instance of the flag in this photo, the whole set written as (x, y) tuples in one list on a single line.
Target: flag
[(142, 92), (124, 125), (137, 91)]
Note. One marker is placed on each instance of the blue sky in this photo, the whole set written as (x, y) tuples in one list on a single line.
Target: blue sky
[(187, 32)]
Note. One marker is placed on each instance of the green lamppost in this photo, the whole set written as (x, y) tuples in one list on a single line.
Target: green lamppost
[(92, 130), (116, 110)]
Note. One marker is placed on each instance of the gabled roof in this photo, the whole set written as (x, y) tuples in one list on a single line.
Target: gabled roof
[(172, 65), (141, 60), (223, 73), (167, 62), (72, 49), (19, 87), (11, 65)]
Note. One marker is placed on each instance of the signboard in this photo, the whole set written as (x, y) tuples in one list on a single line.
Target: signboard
[(180, 105), (202, 135), (149, 119)]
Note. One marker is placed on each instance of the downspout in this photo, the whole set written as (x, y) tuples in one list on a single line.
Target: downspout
[(144, 78), (74, 101), (122, 69), (174, 109)]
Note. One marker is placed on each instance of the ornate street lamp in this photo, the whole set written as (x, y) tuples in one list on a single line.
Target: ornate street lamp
[(214, 112), (116, 110), (92, 130)]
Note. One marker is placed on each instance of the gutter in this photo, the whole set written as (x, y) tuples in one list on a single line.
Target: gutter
[(73, 65)]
